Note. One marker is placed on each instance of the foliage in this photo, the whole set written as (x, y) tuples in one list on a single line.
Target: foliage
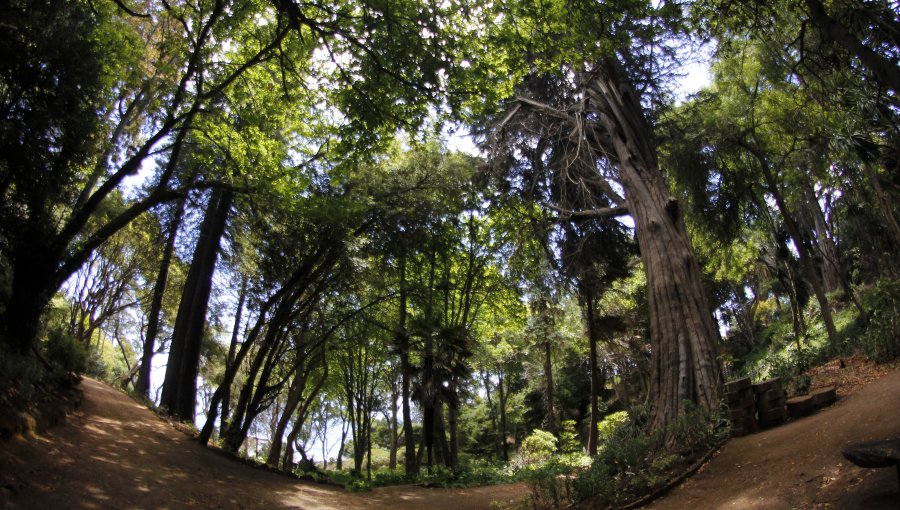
[(537, 448), (881, 339), (611, 423), (568, 438), (633, 461), (64, 353)]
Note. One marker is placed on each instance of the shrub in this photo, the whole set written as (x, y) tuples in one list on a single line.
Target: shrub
[(537, 448), (633, 462), (63, 353), (568, 438), (881, 341), (609, 425)]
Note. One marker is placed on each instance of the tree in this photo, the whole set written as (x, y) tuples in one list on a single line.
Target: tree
[(180, 386), (579, 112)]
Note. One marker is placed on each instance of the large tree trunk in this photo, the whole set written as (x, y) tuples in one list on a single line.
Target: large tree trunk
[(31, 291), (684, 338), (180, 385), (142, 386)]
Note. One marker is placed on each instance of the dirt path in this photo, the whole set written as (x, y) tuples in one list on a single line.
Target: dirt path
[(799, 465), (114, 453)]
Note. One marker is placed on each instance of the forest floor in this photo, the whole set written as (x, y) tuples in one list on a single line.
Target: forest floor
[(114, 453)]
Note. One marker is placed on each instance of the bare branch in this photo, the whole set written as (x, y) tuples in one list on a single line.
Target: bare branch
[(600, 212)]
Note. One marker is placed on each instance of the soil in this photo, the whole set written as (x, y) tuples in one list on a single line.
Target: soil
[(115, 453), (799, 465)]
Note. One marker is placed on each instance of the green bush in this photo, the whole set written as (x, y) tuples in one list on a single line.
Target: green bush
[(568, 438), (609, 425), (881, 340), (632, 462), (19, 377), (385, 476), (551, 481), (537, 448), (63, 353)]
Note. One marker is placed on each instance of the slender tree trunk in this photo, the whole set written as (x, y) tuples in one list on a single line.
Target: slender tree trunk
[(684, 337), (803, 250), (440, 433), (503, 430), (884, 204), (410, 464), (551, 420), (295, 392), (492, 413), (180, 385), (229, 360), (823, 245), (595, 379), (142, 386), (452, 422), (395, 440)]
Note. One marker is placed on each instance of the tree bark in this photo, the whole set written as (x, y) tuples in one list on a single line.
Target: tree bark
[(684, 337), (551, 421), (395, 439)]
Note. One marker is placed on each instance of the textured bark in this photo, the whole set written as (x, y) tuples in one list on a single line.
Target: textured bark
[(684, 338), (395, 439), (180, 385)]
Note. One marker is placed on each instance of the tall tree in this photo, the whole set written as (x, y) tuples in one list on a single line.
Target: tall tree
[(585, 100), (179, 390)]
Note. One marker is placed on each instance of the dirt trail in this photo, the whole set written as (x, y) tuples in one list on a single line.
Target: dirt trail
[(114, 453), (799, 465)]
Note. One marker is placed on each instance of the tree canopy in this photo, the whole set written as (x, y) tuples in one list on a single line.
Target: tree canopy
[(263, 196)]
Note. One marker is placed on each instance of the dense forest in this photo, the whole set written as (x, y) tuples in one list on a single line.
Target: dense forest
[(250, 215)]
